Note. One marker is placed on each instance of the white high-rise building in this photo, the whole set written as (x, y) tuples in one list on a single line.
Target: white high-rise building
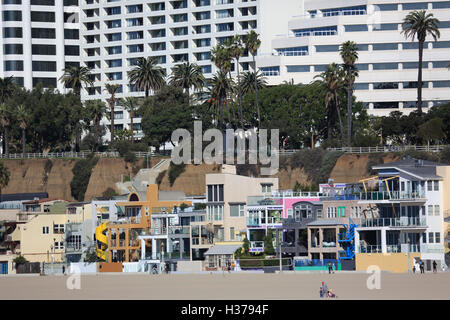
[(387, 60), (39, 38), (114, 34)]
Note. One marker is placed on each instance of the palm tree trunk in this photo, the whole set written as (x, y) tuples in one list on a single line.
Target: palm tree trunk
[(341, 127), (132, 127), (220, 113), (5, 135), (232, 105), (256, 93), (23, 142), (349, 114), (419, 78), (239, 94), (329, 121), (111, 106)]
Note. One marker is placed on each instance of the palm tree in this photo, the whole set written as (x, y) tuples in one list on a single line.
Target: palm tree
[(251, 82), (186, 76), (130, 104), (236, 49), (349, 54), (4, 176), (6, 88), (219, 86), (96, 109), (5, 119), (76, 77), (147, 75), (112, 89), (252, 44), (221, 57), (420, 24), (23, 117), (331, 78)]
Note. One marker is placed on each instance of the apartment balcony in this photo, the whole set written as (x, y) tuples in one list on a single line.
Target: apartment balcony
[(73, 249), (182, 230), (370, 249), (264, 221), (393, 196), (393, 222), (158, 231)]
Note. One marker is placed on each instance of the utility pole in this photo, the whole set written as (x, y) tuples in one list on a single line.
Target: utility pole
[(279, 248)]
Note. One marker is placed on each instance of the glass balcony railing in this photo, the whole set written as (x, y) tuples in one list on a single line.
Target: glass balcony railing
[(178, 230), (328, 244), (370, 249), (393, 222), (158, 231), (393, 195)]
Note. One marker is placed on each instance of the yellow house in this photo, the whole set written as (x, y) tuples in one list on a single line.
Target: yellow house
[(43, 234)]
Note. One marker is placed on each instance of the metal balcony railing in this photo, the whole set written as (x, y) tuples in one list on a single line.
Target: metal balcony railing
[(158, 231), (178, 229), (370, 249), (393, 222)]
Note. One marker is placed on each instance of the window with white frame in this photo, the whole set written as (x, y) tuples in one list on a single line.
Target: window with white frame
[(266, 188), (58, 245), (430, 237), (331, 212), (319, 213), (437, 237), (436, 185), (45, 230), (436, 210), (58, 228), (424, 237), (290, 213), (215, 213), (231, 233), (236, 210), (430, 210), (430, 185)]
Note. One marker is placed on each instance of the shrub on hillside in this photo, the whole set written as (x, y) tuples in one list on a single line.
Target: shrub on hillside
[(420, 155), (444, 156), (130, 157), (81, 175), (109, 193), (174, 171)]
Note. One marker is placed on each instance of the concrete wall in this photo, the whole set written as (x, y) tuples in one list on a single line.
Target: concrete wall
[(394, 262), (189, 266), (83, 267)]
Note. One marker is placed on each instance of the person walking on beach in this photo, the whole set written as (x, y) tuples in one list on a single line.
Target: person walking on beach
[(422, 267), (434, 266), (330, 267)]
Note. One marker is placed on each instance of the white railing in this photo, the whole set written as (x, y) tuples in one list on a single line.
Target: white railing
[(256, 244), (393, 222), (436, 148)]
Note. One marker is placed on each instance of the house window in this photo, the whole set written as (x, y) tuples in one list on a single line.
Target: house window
[(215, 192), (436, 185), (58, 245), (232, 233), (45, 230), (430, 237), (290, 213), (58, 228), (430, 210), (319, 213), (424, 237), (429, 185), (236, 210), (436, 210), (266, 188), (342, 212), (331, 212), (437, 238)]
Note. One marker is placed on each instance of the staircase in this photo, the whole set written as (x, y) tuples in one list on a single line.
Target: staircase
[(144, 177), (347, 240)]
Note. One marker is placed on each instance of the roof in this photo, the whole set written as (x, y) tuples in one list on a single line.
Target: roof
[(325, 223), (23, 196), (223, 249), (420, 168), (43, 200)]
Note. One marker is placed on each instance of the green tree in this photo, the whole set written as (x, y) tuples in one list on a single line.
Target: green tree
[(112, 90), (95, 109), (252, 44), (6, 88), (5, 120), (349, 54), (268, 244), (4, 176), (332, 80), (131, 105), (187, 75), (75, 77), (163, 113), (147, 75), (251, 82), (431, 130), (218, 87), (419, 24), (22, 116)]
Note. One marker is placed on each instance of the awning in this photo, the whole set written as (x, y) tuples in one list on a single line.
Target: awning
[(223, 249)]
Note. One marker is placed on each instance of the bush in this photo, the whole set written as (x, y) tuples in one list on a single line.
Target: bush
[(422, 155), (445, 155), (199, 206), (174, 171), (328, 162), (365, 140), (130, 157), (20, 260), (268, 245), (109, 193), (183, 206), (81, 175)]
